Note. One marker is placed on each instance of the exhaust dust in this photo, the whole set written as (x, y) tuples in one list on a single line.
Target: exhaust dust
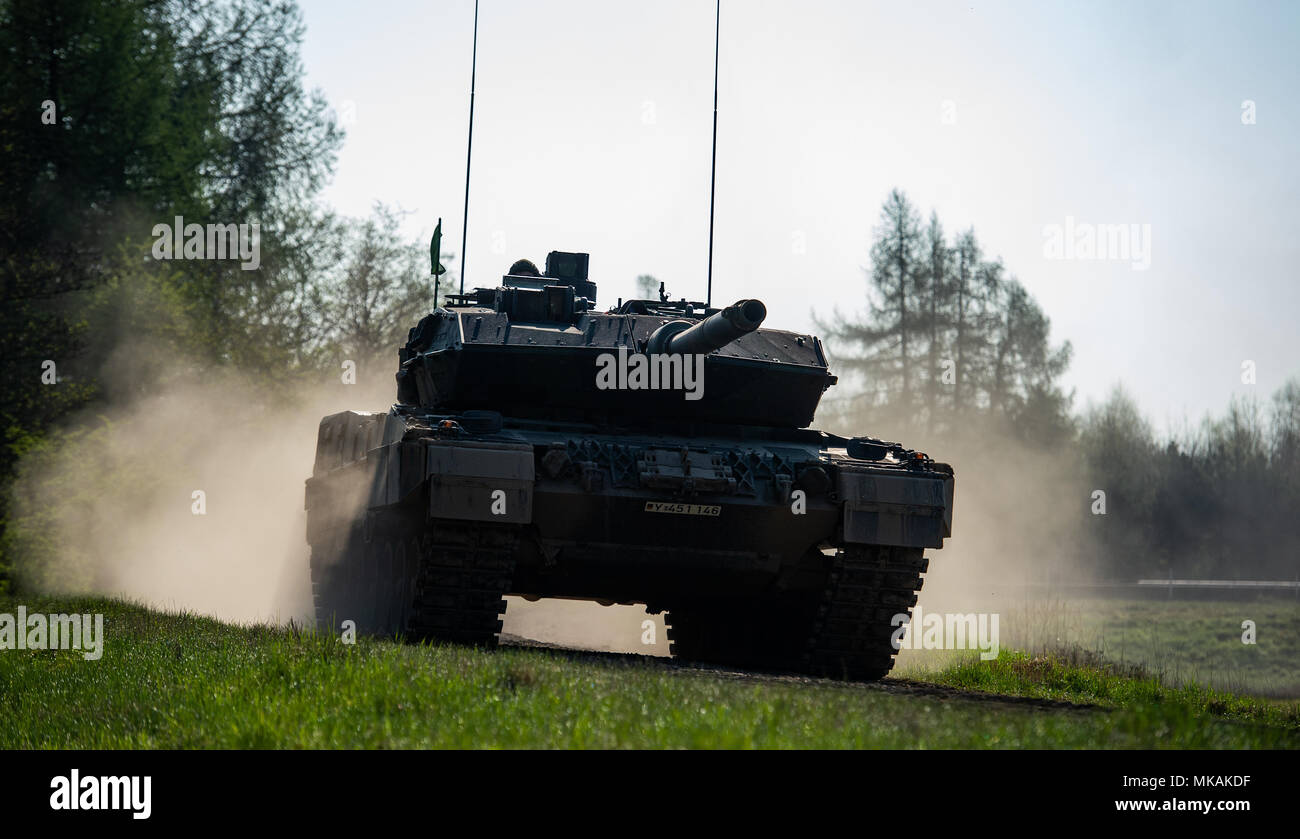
[(187, 496)]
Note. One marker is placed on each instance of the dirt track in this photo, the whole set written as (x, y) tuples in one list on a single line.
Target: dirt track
[(900, 687)]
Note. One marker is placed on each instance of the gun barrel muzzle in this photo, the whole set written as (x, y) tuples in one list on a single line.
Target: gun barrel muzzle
[(719, 328)]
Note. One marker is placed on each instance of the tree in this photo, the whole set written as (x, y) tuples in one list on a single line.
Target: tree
[(935, 290), (1284, 439), (115, 116), (379, 291), (1022, 386), (882, 348), (1284, 465), (969, 316), (1212, 502), (1118, 450), (647, 287), (949, 338)]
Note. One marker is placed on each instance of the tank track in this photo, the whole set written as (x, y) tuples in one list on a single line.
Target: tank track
[(843, 632), (443, 582), (459, 590), (867, 585)]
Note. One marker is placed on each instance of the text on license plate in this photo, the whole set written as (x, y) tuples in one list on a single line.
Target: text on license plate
[(683, 509)]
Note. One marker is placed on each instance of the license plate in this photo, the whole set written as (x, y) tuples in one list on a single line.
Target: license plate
[(683, 509)]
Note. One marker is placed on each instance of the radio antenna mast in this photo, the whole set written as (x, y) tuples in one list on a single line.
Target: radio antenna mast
[(464, 225), (713, 172)]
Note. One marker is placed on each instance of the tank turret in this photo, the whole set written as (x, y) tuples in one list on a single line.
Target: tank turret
[(535, 346)]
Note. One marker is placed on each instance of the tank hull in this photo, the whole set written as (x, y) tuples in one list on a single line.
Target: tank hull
[(715, 525)]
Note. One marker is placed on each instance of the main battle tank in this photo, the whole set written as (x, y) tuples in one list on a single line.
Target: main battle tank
[(657, 453)]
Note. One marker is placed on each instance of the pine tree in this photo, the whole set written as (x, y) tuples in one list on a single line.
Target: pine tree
[(884, 346), (936, 290)]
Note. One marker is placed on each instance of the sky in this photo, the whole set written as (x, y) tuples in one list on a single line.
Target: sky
[(1032, 122)]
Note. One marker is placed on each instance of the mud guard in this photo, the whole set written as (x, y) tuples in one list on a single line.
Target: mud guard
[(481, 482), (901, 510), (468, 480)]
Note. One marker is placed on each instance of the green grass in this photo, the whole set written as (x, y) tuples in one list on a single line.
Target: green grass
[(1083, 676), (1201, 641), (1174, 641), (180, 681)]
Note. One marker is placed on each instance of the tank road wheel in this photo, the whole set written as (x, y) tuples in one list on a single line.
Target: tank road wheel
[(867, 586), (438, 583)]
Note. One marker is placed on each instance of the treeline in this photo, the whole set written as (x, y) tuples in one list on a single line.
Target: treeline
[(122, 115), (1218, 500), (949, 334), (953, 353)]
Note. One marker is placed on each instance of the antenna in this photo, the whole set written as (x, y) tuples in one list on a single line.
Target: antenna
[(713, 173), (464, 225)]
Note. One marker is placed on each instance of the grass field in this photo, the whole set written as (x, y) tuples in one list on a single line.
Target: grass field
[(1176, 641), (1201, 641), (180, 681)]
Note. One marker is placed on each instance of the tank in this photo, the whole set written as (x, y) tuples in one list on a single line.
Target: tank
[(657, 453)]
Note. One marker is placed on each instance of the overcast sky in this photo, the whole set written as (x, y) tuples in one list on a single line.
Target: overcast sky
[(592, 130)]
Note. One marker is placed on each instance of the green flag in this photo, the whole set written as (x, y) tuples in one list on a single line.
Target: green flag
[(435, 267)]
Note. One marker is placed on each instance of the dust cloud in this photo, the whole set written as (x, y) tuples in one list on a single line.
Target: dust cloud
[(187, 495), (1019, 534), (1018, 522)]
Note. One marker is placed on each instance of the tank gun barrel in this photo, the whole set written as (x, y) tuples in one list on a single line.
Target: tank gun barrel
[(715, 331)]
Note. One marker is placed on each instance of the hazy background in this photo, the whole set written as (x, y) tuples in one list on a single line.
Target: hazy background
[(592, 131)]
